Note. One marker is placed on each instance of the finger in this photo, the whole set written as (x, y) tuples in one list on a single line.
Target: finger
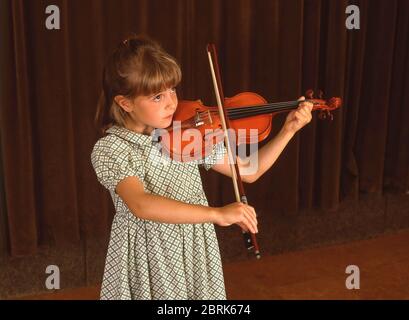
[(243, 209), (243, 226), (308, 106), (254, 213), (303, 116), (305, 111), (249, 225), (305, 106), (245, 221), (302, 98), (299, 115), (251, 220), (251, 210), (302, 111)]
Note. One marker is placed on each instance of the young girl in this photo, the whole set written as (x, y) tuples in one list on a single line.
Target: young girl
[(163, 243)]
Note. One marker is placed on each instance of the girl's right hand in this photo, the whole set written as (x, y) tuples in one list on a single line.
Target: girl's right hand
[(238, 213)]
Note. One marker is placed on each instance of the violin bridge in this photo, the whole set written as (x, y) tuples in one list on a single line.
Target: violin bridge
[(202, 118), (198, 120)]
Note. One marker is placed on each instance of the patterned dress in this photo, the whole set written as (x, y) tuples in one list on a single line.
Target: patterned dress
[(147, 259)]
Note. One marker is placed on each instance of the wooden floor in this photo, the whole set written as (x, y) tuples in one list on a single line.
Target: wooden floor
[(310, 274)]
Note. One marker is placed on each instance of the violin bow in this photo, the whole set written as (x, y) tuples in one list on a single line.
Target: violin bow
[(250, 239)]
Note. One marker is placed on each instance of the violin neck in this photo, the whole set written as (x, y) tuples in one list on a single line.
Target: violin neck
[(244, 112)]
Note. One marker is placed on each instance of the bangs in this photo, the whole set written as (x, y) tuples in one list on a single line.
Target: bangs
[(158, 74)]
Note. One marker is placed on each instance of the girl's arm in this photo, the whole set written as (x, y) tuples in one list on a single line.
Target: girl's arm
[(272, 150), (267, 155), (161, 209)]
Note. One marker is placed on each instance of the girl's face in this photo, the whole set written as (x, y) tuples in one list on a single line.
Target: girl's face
[(154, 111)]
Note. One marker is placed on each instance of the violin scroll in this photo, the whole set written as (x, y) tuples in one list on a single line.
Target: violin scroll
[(324, 105)]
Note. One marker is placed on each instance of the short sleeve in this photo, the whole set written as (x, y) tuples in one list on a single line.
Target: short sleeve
[(113, 161), (218, 153)]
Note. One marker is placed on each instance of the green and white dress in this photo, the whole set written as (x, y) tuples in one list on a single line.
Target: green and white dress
[(151, 260)]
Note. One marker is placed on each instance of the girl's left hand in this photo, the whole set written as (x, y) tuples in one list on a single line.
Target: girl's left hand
[(298, 118)]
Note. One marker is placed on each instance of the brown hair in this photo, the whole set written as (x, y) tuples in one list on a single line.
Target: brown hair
[(138, 66)]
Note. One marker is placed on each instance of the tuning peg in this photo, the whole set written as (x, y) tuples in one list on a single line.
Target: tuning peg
[(320, 94), (322, 115), (309, 94)]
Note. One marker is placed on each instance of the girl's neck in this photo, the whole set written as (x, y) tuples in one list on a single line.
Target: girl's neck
[(138, 128)]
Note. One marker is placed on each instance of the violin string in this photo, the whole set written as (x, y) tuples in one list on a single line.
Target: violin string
[(278, 104), (256, 110), (205, 115), (237, 113), (270, 106), (249, 110), (264, 108), (239, 116)]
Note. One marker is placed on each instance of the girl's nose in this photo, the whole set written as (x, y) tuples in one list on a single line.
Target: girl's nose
[(172, 100)]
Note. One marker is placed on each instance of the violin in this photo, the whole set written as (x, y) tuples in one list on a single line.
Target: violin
[(196, 127)]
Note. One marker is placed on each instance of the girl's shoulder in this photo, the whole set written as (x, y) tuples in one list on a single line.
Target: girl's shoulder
[(112, 144), (113, 149), (113, 159), (111, 141)]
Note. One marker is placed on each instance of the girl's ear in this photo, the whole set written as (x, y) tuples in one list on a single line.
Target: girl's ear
[(124, 103)]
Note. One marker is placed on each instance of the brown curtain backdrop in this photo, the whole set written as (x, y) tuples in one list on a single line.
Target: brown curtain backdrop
[(50, 82), (3, 217)]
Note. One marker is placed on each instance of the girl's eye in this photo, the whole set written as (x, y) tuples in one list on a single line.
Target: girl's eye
[(157, 98)]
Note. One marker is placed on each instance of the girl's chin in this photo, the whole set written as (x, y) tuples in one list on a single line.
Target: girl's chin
[(164, 123), (168, 121)]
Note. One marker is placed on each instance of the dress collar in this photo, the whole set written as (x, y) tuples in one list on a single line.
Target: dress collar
[(131, 136)]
